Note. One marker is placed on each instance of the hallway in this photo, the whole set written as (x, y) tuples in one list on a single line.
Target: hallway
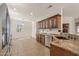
[(28, 47)]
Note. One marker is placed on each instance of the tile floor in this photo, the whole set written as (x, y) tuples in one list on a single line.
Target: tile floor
[(28, 47)]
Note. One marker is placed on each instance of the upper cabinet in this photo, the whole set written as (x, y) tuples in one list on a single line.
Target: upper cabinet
[(50, 23)]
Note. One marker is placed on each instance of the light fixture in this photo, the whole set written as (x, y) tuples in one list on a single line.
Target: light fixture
[(14, 9), (22, 24), (31, 13), (50, 6)]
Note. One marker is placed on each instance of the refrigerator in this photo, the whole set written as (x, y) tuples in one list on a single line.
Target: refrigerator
[(5, 32)]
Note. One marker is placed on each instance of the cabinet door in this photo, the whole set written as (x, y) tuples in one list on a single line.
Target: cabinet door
[(43, 39), (46, 24), (58, 21), (50, 23), (55, 22), (41, 25)]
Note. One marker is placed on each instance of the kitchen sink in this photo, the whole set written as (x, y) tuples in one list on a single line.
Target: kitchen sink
[(61, 37)]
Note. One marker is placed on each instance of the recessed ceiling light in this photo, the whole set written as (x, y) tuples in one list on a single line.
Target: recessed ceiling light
[(22, 24), (14, 8), (31, 13)]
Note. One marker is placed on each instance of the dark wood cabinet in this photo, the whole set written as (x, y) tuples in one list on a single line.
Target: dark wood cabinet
[(51, 22), (55, 23), (40, 38), (59, 21), (43, 25), (47, 24)]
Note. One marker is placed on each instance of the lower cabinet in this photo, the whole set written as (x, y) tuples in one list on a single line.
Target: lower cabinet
[(40, 38), (57, 51), (43, 39)]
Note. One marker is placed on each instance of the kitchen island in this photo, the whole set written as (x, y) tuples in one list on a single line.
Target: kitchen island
[(64, 47)]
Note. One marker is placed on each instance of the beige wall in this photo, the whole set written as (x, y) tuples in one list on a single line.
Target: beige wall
[(34, 29), (26, 29)]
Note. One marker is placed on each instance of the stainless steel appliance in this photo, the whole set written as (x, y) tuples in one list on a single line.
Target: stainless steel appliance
[(47, 40), (4, 26)]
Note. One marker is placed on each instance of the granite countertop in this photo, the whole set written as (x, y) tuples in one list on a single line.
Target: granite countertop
[(71, 45), (49, 34)]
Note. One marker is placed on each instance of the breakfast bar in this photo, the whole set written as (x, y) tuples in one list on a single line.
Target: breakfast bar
[(64, 47)]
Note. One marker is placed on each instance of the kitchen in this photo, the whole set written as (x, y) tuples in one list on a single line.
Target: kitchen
[(54, 28), (65, 41)]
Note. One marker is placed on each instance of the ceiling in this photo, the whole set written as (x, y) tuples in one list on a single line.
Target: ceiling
[(39, 11)]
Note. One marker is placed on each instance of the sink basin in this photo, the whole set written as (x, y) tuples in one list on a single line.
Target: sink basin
[(61, 37)]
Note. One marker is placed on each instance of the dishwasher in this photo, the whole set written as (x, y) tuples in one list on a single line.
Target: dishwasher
[(47, 40)]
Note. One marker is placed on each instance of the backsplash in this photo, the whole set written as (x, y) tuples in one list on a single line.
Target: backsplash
[(52, 31)]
